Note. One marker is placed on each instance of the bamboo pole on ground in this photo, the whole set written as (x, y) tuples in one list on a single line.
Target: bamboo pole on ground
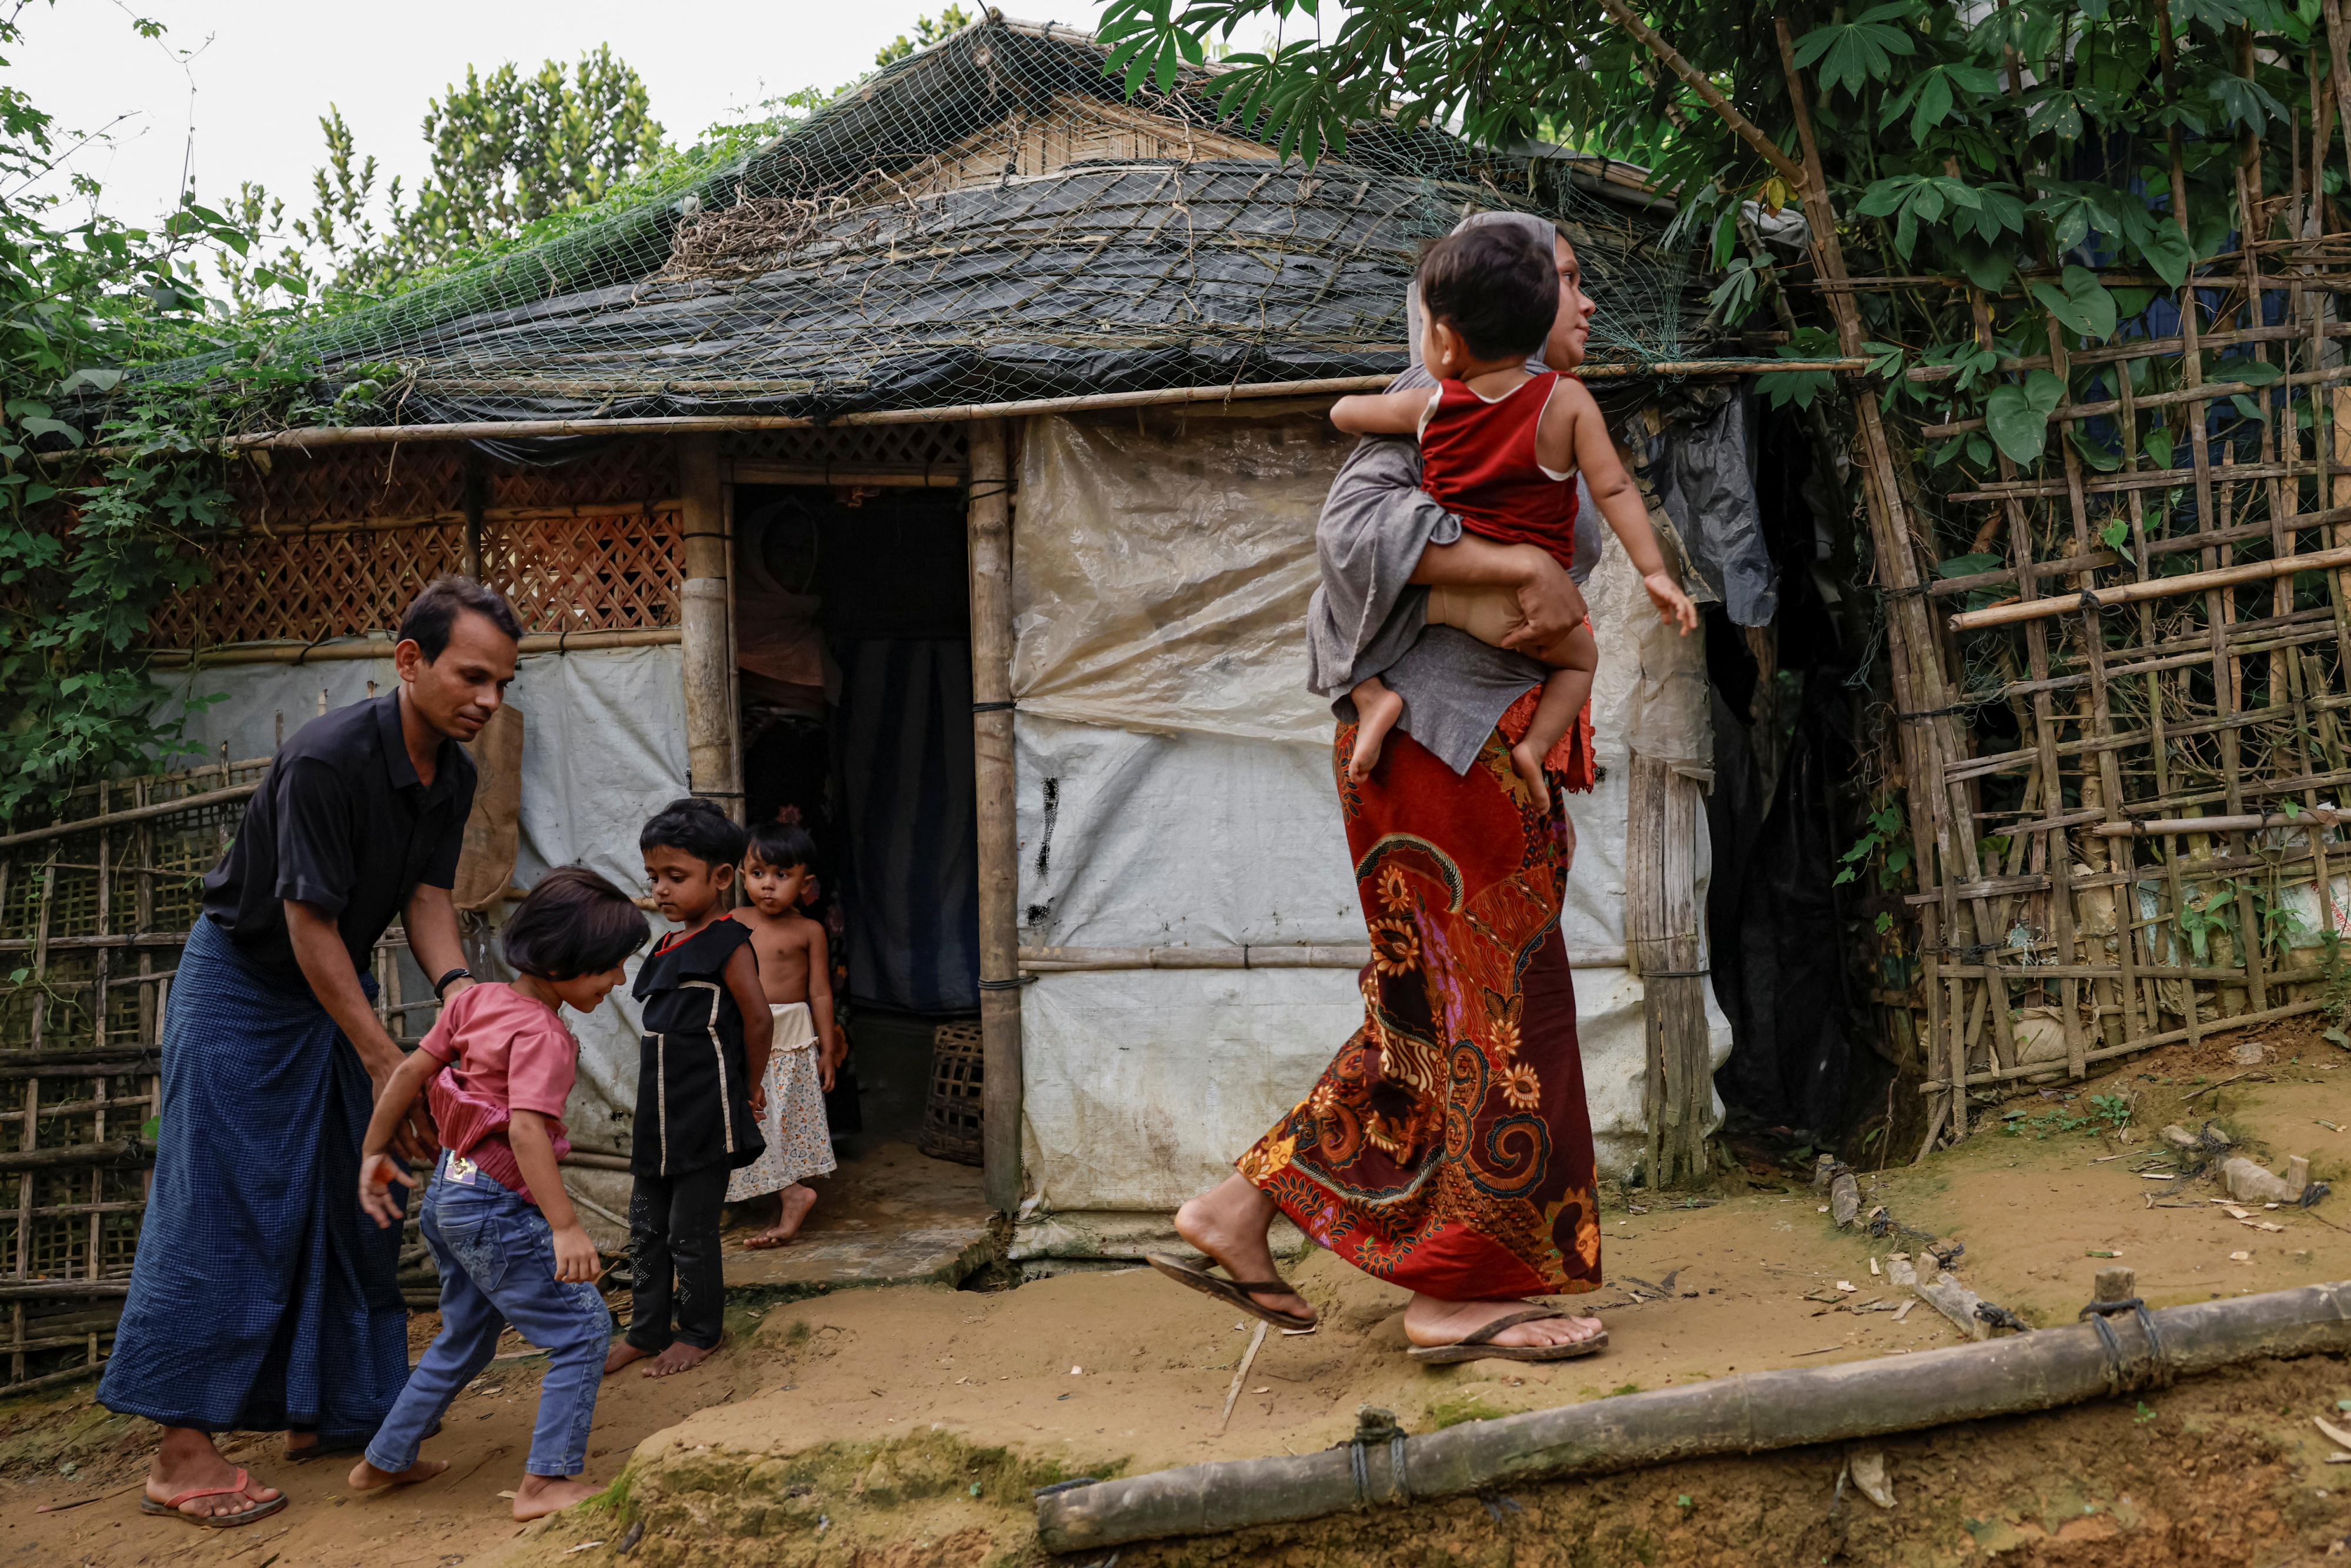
[(1753, 1412), (999, 848), (710, 720)]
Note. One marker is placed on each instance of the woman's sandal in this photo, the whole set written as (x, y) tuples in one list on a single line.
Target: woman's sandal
[(1477, 1346), (258, 1512), (1240, 1293)]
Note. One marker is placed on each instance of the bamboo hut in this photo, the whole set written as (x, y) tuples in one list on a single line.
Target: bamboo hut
[(967, 439)]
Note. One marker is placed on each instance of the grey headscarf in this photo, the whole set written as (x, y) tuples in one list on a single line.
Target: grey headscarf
[(1543, 231)]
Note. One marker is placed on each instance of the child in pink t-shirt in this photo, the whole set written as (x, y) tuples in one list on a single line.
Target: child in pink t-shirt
[(497, 1066)]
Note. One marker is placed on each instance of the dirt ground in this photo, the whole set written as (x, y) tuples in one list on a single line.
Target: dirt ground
[(907, 1425)]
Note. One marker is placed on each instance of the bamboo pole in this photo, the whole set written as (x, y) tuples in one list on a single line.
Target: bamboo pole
[(2154, 588), (129, 814), (710, 721), (1709, 94), (1755, 1412), (1663, 946), (374, 647), (315, 436), (1941, 826), (999, 847)]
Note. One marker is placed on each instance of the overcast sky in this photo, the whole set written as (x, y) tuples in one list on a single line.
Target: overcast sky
[(263, 71)]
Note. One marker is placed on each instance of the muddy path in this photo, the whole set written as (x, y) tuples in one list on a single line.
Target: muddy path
[(907, 1425)]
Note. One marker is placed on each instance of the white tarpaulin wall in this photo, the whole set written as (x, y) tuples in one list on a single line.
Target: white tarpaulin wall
[(1175, 790), (603, 748)]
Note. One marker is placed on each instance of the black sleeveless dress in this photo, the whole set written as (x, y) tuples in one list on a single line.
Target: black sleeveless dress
[(693, 1084)]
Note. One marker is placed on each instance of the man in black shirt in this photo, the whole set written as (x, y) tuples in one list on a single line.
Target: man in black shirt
[(258, 1297)]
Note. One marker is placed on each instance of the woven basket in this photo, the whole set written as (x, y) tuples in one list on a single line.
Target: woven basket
[(951, 1115)]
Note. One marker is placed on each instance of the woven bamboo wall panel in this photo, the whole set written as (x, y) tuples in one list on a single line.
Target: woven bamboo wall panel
[(291, 489), (280, 491), (910, 448), (306, 586), (637, 472), (591, 574), (336, 545)]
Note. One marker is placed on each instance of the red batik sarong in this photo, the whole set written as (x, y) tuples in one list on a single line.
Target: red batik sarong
[(1447, 1148)]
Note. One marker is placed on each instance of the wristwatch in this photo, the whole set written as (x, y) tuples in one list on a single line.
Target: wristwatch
[(451, 978)]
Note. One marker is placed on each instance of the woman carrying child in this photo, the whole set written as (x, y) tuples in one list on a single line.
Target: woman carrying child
[(1447, 1147), (497, 1067), (796, 972)]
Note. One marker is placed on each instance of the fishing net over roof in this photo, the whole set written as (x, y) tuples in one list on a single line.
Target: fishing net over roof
[(989, 220)]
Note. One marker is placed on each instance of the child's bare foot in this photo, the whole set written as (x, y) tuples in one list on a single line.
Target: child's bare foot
[(679, 1357), (1376, 711), (539, 1496), (797, 1200), (1528, 764), (621, 1355), (365, 1476)]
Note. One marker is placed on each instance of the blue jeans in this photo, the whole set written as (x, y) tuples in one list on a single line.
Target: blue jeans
[(497, 1258)]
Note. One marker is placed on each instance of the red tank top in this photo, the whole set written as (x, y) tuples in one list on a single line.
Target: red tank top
[(1477, 459)]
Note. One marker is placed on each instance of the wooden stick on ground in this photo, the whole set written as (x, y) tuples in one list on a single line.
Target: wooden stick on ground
[(1233, 1393)]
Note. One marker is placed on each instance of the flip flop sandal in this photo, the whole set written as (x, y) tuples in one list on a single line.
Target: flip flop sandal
[(258, 1512), (1241, 1293), (1477, 1346)]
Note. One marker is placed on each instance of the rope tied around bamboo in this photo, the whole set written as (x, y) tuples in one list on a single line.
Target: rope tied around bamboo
[(2152, 1369)]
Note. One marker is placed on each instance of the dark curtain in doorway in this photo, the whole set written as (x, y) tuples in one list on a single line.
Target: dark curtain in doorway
[(903, 745)]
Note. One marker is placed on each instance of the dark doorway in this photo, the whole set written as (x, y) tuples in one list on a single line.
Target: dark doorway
[(853, 632)]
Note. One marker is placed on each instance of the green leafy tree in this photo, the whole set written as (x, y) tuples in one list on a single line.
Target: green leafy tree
[(2035, 136), (509, 150), (953, 19), (89, 543)]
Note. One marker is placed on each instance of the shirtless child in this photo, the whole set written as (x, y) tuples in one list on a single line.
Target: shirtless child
[(797, 973)]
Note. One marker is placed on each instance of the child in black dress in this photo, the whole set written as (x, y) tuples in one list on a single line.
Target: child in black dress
[(701, 1062)]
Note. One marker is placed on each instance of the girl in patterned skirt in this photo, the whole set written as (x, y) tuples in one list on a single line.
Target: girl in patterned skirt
[(797, 973)]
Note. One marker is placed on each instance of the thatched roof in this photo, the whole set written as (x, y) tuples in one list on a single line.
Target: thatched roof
[(987, 220)]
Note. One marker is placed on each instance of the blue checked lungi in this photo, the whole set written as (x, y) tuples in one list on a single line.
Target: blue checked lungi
[(261, 1297)]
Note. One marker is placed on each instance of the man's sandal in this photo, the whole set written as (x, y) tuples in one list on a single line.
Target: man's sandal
[(1240, 1293), (259, 1510), (1478, 1346)]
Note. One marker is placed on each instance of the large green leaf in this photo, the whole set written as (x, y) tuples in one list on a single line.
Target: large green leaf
[(2080, 302), (1853, 54), (2017, 417)]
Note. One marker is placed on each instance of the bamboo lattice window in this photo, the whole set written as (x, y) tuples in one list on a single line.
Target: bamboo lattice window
[(335, 544)]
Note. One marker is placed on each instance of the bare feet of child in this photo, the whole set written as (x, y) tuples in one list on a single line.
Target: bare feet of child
[(797, 1199), (679, 1357), (1528, 764), (365, 1476), (539, 1496), (1376, 712)]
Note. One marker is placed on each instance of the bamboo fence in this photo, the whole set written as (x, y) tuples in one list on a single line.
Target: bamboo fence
[(2120, 745)]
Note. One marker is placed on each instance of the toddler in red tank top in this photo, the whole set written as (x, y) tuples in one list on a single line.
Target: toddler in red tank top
[(1500, 444)]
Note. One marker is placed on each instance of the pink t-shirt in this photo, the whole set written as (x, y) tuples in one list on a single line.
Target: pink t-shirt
[(505, 1052)]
